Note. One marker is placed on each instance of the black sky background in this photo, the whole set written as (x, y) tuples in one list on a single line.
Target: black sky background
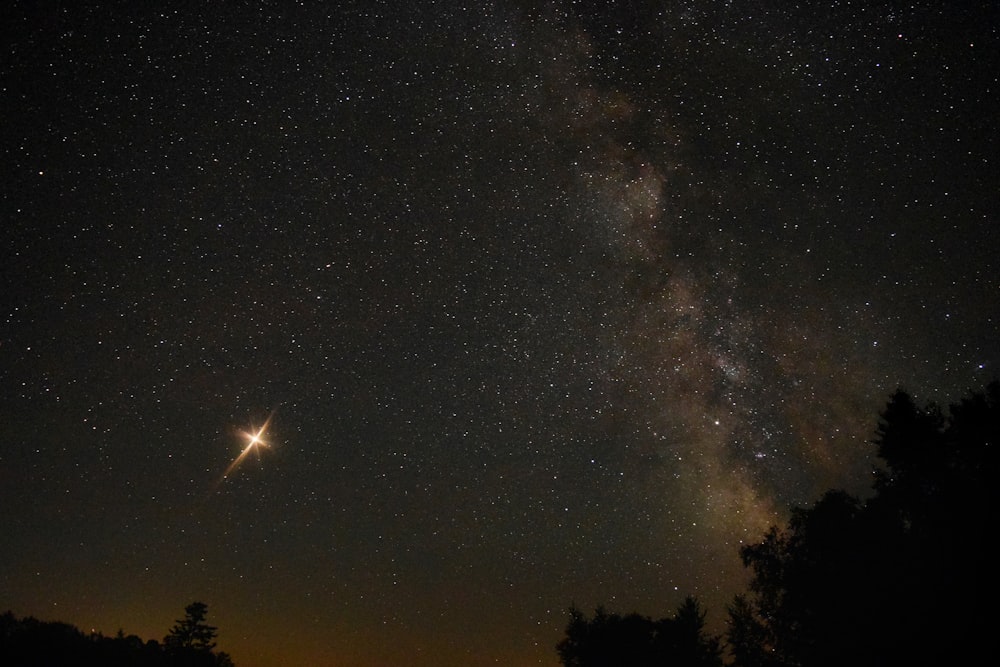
[(546, 304)]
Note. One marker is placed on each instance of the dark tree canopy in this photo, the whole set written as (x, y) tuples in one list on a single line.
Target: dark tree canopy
[(191, 641), (896, 579), (750, 640), (612, 640), (29, 642), (192, 632)]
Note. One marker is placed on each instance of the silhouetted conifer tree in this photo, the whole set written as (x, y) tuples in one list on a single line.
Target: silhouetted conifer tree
[(192, 632), (897, 579)]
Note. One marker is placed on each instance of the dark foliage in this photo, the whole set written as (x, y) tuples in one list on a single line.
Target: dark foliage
[(899, 579), (192, 633), (29, 642), (609, 640), (896, 580)]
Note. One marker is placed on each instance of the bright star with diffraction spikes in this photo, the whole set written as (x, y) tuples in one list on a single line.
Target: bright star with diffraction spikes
[(255, 440)]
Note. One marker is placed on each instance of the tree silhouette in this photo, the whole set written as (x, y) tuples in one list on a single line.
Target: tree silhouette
[(894, 579), (192, 632), (750, 640), (687, 643), (28, 642), (612, 640)]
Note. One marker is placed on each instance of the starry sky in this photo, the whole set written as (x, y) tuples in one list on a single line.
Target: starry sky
[(540, 303)]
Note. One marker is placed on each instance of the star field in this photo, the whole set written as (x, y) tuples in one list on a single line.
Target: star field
[(539, 304)]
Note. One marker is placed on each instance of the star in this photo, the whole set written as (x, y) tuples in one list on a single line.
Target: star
[(255, 441)]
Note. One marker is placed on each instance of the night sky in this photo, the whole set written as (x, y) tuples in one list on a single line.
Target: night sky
[(540, 303)]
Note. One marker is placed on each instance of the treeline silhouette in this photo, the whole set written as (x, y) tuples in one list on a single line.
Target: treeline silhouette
[(611, 639), (29, 642), (901, 578)]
